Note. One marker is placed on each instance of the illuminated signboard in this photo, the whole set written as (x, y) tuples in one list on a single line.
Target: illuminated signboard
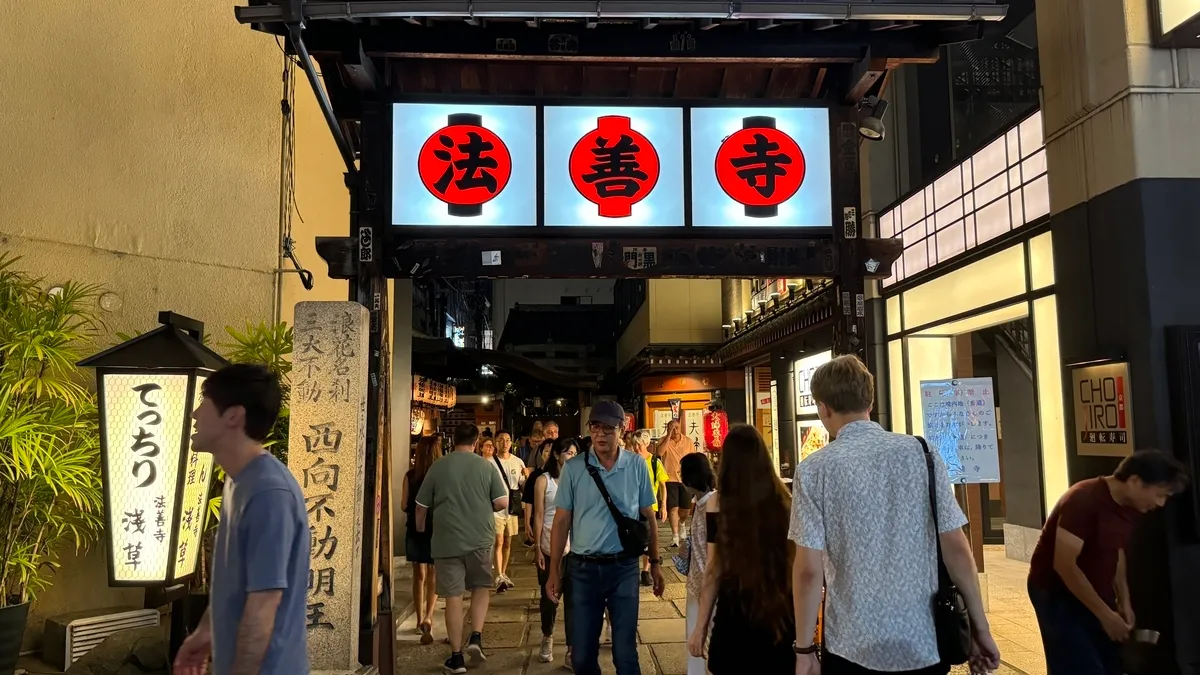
[(803, 370), (197, 480), (1174, 13), (613, 166), (464, 165), (145, 419), (761, 167)]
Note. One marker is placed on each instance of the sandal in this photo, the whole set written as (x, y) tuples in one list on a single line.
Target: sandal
[(426, 633)]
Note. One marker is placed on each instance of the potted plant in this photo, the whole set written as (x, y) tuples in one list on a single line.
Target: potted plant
[(51, 495)]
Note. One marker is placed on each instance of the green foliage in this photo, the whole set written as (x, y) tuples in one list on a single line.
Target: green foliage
[(50, 487)]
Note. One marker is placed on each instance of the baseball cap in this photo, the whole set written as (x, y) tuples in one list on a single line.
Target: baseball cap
[(609, 413)]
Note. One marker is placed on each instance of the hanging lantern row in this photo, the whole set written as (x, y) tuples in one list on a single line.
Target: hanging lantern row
[(716, 427), (430, 392)]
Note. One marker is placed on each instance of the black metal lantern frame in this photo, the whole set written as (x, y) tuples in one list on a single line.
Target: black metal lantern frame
[(155, 485)]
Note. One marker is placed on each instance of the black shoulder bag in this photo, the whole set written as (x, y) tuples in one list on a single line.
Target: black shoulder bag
[(514, 496), (633, 532), (951, 622)]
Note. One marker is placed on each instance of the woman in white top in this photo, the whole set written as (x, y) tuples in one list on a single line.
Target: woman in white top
[(544, 491), (696, 474)]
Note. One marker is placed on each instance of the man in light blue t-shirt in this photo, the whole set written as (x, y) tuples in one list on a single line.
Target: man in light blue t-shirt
[(601, 573), (255, 622)]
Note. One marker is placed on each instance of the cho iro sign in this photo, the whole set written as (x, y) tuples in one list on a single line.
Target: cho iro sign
[(327, 456), (610, 166), (1103, 417)]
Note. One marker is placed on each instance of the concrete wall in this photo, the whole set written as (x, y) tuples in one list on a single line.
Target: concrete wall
[(509, 292), (141, 146)]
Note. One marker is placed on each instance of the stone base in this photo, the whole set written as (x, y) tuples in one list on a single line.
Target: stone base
[(1019, 542)]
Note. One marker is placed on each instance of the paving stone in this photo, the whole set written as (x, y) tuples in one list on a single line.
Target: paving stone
[(661, 609), (652, 631), (681, 605), (501, 615), (671, 658)]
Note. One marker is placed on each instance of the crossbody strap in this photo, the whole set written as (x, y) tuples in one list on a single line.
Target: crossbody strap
[(595, 474), (503, 472), (943, 575)]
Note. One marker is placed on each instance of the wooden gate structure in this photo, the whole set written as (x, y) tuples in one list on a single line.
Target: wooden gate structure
[(361, 56)]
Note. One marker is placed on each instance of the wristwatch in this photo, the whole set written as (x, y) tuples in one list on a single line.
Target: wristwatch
[(811, 649), (656, 561)]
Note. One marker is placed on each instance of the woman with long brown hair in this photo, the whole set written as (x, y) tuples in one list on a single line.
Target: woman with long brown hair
[(418, 546), (748, 574)]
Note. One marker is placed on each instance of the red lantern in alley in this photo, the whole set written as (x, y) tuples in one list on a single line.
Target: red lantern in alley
[(716, 426)]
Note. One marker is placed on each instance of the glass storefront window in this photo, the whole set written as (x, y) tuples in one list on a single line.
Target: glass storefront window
[(997, 277)]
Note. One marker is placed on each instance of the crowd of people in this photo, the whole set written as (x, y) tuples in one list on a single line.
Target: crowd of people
[(887, 570)]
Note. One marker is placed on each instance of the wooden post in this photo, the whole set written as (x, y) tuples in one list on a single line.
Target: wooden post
[(970, 496)]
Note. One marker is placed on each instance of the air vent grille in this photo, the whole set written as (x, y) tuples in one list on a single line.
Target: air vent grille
[(84, 634)]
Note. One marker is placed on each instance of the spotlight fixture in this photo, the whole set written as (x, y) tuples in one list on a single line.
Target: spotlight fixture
[(870, 118), (486, 399)]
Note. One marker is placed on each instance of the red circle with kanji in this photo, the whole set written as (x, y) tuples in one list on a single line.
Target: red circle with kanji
[(614, 166), (464, 164), (760, 166)]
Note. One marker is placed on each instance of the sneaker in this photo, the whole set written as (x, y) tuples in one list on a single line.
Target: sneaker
[(509, 582), (547, 653), (475, 647), (455, 665), (646, 580), (568, 665), (674, 542)]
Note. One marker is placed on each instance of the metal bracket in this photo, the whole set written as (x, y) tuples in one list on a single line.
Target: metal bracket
[(295, 31), (289, 251)]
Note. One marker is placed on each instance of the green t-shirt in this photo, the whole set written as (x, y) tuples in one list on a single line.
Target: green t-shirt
[(459, 491)]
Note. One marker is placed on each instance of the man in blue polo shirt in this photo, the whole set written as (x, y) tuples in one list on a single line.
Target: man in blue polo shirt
[(600, 572)]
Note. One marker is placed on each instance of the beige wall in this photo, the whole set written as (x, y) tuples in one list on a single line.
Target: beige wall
[(636, 336), (685, 311), (140, 148)]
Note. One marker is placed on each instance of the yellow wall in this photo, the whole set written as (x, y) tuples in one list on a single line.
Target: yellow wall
[(139, 150), (685, 311)]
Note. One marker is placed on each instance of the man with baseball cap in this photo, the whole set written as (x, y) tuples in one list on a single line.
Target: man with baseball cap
[(602, 569)]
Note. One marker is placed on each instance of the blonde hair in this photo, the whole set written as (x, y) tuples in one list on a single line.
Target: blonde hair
[(844, 385)]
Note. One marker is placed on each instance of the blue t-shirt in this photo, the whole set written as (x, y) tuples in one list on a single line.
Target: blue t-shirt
[(593, 530), (262, 544)]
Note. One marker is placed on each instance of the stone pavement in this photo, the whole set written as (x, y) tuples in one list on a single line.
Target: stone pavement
[(512, 634)]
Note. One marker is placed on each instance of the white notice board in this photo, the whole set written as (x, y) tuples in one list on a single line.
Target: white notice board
[(960, 424)]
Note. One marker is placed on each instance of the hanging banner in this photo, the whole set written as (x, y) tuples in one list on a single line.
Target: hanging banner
[(960, 424), (430, 392), (676, 407)]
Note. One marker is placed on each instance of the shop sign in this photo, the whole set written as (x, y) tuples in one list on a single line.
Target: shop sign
[(775, 427), (610, 166), (762, 400), (803, 370), (429, 392), (1103, 417), (960, 425), (812, 436)]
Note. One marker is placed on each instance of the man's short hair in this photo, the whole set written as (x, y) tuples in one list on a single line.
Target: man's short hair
[(1154, 467), (465, 434), (550, 423), (250, 386), (844, 385)]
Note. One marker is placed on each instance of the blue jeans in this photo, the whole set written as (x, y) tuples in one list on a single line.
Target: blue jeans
[(596, 586), (1075, 642)]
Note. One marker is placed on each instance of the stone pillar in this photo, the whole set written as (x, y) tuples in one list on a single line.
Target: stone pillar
[(1124, 170), (402, 322), (327, 455)]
